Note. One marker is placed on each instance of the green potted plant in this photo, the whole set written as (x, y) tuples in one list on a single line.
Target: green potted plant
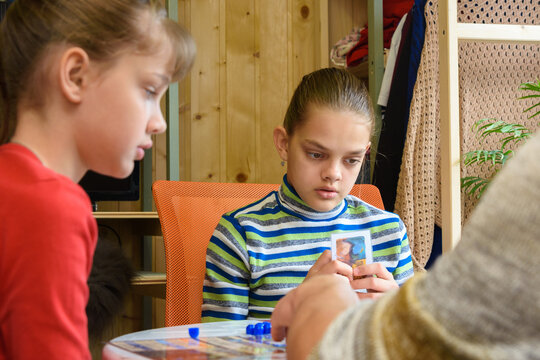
[(511, 133)]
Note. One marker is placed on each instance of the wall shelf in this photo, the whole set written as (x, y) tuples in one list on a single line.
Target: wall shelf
[(150, 284), (136, 225)]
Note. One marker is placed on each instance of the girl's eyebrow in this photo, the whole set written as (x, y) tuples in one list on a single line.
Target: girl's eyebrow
[(323, 148), (164, 78), (315, 144)]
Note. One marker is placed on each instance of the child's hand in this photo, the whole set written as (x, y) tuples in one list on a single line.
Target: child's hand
[(374, 278), (325, 265)]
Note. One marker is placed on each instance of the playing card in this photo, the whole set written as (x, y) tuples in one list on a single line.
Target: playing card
[(353, 248)]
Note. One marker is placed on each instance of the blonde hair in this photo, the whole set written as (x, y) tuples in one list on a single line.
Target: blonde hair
[(334, 88), (103, 28)]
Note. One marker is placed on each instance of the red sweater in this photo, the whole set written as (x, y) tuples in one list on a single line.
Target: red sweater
[(47, 240)]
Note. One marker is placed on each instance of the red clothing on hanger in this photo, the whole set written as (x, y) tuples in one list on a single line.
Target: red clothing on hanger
[(393, 11)]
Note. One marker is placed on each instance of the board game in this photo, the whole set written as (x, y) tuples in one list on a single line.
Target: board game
[(216, 347)]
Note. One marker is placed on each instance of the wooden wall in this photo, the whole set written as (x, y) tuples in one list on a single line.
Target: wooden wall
[(251, 55)]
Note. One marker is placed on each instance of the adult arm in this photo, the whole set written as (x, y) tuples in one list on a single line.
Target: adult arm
[(476, 303)]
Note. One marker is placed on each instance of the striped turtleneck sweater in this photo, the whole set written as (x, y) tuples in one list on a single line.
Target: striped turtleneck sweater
[(261, 251)]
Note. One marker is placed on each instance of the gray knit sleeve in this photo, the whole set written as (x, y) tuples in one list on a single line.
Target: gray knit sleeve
[(488, 289), (346, 334), (481, 301)]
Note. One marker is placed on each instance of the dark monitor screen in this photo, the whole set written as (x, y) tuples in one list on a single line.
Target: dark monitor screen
[(106, 188)]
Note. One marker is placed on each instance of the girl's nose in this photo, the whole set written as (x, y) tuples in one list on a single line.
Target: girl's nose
[(332, 172), (157, 123)]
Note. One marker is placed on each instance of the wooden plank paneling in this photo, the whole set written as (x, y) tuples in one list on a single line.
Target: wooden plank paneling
[(223, 89), (246, 69), (240, 87), (305, 37), (204, 123), (184, 101), (272, 89), (251, 55), (322, 34)]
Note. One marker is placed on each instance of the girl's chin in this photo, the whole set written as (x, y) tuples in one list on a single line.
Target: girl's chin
[(139, 154), (325, 207), (124, 171)]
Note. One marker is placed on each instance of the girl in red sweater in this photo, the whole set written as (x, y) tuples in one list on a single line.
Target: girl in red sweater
[(80, 88)]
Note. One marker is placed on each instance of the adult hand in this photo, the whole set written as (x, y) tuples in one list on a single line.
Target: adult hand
[(325, 265), (304, 314), (375, 278)]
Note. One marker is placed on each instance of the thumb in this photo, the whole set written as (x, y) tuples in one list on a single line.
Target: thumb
[(324, 259), (282, 316)]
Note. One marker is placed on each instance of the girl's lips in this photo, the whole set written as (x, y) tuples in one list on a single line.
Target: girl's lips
[(140, 151), (139, 155), (327, 193)]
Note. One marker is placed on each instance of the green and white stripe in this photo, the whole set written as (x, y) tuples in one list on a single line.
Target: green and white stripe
[(261, 251)]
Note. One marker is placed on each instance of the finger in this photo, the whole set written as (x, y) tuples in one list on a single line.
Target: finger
[(337, 267), (321, 262), (323, 259), (372, 295), (374, 284), (282, 315), (344, 269), (377, 269)]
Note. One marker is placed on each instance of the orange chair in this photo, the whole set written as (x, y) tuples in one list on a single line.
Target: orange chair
[(368, 193), (189, 213)]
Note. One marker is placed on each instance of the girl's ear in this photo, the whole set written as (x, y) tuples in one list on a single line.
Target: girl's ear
[(74, 72), (281, 141)]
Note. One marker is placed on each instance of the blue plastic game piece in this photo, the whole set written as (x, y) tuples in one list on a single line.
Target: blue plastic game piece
[(250, 329), (267, 327), (259, 329), (193, 332)]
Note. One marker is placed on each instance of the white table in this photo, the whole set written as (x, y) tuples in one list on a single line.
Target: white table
[(206, 330)]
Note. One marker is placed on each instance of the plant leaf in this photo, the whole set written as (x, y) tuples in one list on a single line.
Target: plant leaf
[(483, 156), (512, 133), (531, 86), (474, 185)]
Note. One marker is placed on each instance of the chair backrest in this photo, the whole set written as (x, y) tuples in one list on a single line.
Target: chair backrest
[(189, 212)]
